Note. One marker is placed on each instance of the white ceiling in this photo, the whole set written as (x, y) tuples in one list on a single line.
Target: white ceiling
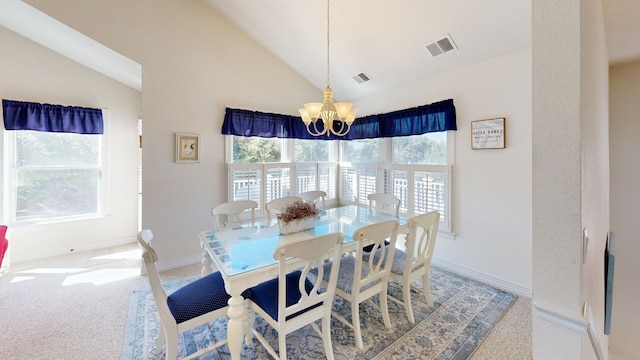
[(39, 27), (386, 39)]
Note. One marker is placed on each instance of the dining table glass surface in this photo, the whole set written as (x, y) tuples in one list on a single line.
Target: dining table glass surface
[(250, 247)]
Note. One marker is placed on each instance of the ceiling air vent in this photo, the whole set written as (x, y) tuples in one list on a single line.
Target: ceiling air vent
[(361, 78), (441, 46)]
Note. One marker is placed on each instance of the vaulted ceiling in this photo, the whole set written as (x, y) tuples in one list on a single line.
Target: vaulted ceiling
[(386, 39)]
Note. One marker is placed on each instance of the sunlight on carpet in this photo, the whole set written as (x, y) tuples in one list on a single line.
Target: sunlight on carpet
[(463, 314)]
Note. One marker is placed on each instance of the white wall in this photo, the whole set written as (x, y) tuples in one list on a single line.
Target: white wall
[(194, 64), (570, 176), (625, 207), (491, 188), (30, 72), (594, 149)]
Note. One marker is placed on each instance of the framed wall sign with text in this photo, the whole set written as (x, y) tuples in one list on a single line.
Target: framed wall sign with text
[(488, 134), (187, 148)]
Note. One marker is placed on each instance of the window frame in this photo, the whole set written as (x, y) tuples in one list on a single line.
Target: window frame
[(11, 172)]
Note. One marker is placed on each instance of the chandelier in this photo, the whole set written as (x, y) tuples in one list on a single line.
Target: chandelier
[(336, 117)]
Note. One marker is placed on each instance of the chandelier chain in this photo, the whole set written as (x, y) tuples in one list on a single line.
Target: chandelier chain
[(328, 44), (333, 118)]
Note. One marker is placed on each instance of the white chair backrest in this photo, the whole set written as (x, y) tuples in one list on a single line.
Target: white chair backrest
[(421, 240), (375, 235), (149, 258), (311, 254), (274, 206), (313, 196), (232, 211), (385, 203)]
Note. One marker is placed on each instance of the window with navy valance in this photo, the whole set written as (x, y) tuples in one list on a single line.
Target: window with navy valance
[(440, 116), (20, 115)]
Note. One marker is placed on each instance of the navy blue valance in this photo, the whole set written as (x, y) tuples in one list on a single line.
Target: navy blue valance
[(440, 116), (20, 115), (254, 123)]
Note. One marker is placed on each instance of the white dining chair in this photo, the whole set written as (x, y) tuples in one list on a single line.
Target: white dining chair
[(293, 299), (386, 203), (274, 206), (232, 211), (313, 196), (199, 302), (359, 281), (415, 261)]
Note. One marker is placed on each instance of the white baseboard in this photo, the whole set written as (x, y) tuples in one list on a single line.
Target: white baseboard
[(176, 263), (561, 317), (61, 252), (620, 355), (106, 244), (482, 277)]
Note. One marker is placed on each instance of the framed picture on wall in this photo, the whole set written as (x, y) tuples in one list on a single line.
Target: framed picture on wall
[(187, 148), (488, 134)]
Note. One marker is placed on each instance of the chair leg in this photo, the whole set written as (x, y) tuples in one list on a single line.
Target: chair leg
[(406, 295), (282, 343), (172, 346), (384, 306), (326, 336), (355, 319), (426, 289), (161, 338)]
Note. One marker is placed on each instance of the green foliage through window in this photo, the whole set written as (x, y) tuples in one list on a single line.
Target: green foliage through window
[(248, 150), (57, 175), (313, 150), (429, 148)]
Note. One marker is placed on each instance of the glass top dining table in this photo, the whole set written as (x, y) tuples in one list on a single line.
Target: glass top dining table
[(250, 247), (244, 255)]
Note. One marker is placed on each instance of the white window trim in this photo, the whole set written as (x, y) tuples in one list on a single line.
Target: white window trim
[(9, 190)]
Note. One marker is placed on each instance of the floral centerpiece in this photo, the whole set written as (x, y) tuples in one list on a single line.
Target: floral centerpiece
[(297, 216)]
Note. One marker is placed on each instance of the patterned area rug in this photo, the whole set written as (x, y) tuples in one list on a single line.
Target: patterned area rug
[(463, 314)]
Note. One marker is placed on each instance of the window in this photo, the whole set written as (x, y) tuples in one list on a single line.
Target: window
[(429, 148), (267, 181), (416, 169), (365, 150), (357, 181), (246, 183), (258, 169), (278, 181), (420, 188), (247, 150), (314, 150), (56, 175), (419, 176)]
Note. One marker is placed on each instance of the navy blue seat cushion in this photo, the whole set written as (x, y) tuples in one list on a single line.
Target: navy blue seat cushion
[(199, 297), (265, 295), (368, 248)]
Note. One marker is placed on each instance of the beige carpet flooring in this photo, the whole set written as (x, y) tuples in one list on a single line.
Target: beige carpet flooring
[(75, 307)]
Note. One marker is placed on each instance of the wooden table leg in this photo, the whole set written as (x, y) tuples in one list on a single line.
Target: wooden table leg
[(235, 328)]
